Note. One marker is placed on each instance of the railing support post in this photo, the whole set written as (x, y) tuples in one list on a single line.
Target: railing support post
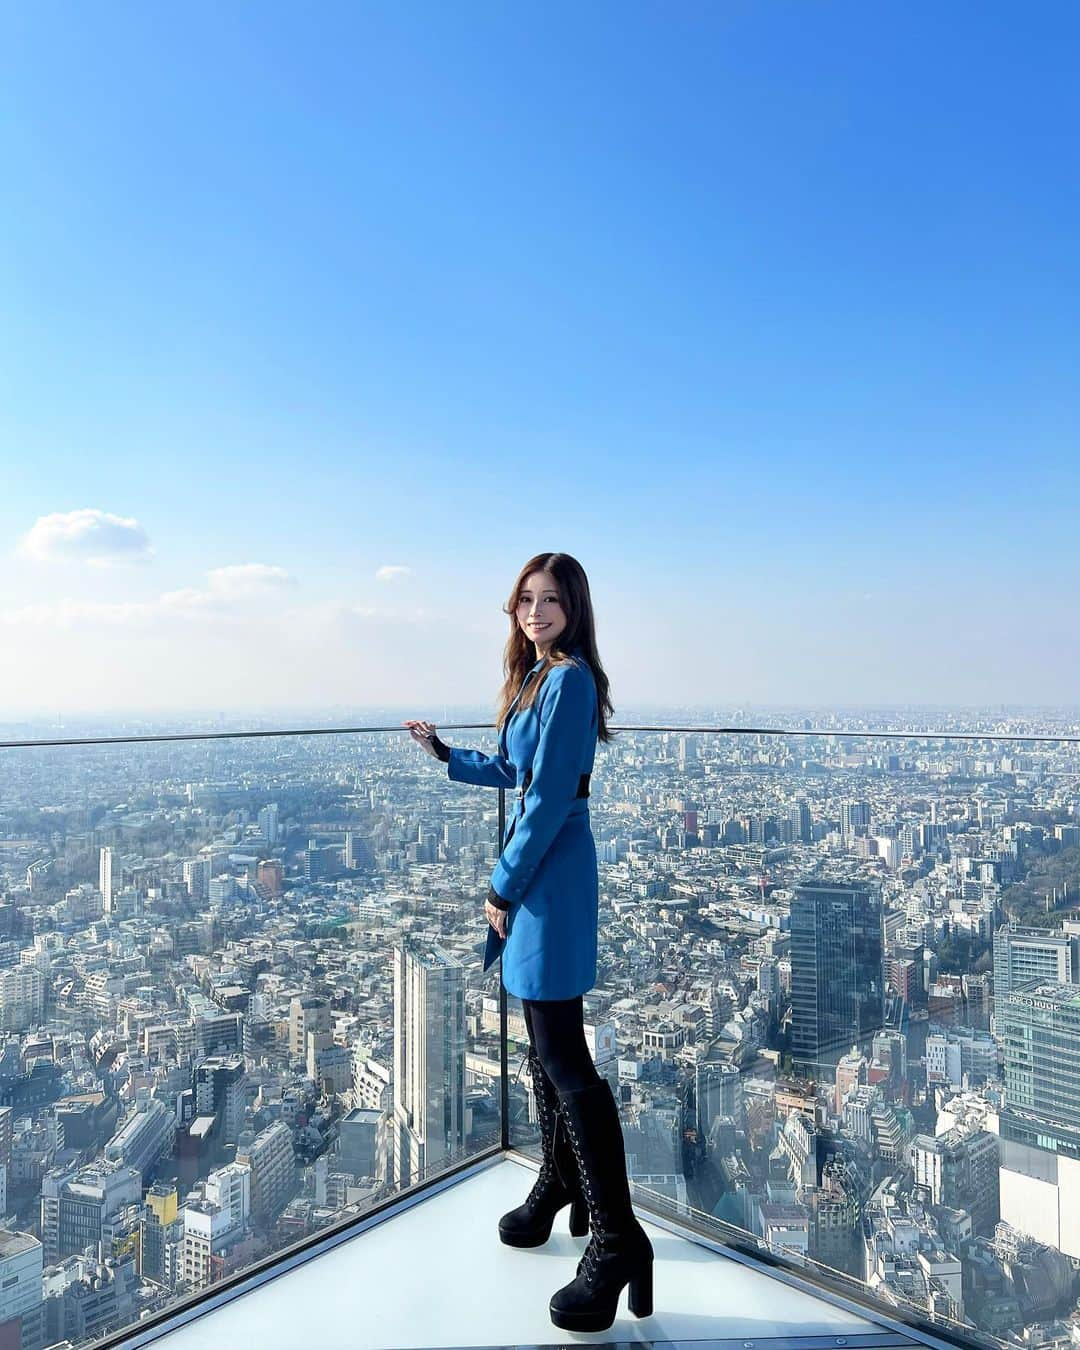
[(504, 1078)]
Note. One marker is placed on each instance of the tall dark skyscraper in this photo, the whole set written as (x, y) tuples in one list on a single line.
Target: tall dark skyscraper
[(836, 971)]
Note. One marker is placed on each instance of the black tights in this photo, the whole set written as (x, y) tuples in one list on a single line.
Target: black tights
[(557, 1034)]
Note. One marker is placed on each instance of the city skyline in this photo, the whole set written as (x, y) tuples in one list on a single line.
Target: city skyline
[(242, 995)]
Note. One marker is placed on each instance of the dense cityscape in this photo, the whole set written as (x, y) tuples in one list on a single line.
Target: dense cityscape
[(838, 999)]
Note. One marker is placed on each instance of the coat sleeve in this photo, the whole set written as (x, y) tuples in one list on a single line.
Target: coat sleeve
[(566, 724), (470, 766)]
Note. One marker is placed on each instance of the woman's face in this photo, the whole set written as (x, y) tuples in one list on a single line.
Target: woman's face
[(540, 611)]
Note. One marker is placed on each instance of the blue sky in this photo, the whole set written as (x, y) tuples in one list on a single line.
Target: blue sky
[(765, 312)]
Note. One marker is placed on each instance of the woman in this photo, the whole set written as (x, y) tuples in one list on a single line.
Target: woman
[(543, 900)]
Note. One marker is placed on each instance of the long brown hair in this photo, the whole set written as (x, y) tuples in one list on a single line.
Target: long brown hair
[(519, 655)]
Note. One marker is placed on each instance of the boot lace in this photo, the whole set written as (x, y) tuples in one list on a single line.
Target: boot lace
[(590, 1257), (549, 1130)]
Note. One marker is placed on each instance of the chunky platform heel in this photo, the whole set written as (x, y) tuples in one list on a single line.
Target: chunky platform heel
[(579, 1217), (640, 1295)]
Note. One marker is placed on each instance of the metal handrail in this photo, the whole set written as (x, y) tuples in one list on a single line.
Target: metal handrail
[(909, 735)]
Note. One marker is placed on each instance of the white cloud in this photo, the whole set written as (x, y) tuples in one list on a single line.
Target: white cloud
[(189, 600), (89, 536), (242, 579), (228, 590), (392, 572), (69, 613)]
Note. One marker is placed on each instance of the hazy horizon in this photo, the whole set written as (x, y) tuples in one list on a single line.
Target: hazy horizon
[(1007, 721)]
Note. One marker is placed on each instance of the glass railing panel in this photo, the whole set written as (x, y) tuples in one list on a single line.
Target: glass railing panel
[(838, 1002), (242, 1000)]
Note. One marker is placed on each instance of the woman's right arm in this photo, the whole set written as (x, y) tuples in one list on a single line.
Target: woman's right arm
[(470, 766), (464, 766)]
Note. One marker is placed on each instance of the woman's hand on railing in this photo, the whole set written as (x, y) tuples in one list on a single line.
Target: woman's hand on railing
[(423, 733)]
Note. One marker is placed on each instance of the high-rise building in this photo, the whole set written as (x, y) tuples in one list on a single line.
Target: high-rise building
[(429, 1060), (1039, 1028), (219, 1084), (801, 825), (229, 1188), (76, 1202), (932, 834), (7, 1126), (306, 1013), (105, 878), (360, 1144), (959, 1170), (159, 1211), (21, 1306), (1022, 955), (269, 825), (769, 977), (372, 1084), (209, 1231), (353, 849), (213, 1031), (851, 1072), (717, 1092), (834, 1217), (854, 818), (221, 890), (269, 1155), (329, 1065), (22, 998), (889, 1056), (977, 1000), (197, 877), (902, 978), (836, 972), (270, 874)]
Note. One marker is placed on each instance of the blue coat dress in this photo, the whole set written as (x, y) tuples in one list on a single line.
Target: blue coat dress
[(547, 870)]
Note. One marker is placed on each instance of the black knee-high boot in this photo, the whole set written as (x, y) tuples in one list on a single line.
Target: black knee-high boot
[(619, 1250), (557, 1184)]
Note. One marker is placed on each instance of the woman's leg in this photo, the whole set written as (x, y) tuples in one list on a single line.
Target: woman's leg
[(619, 1250), (557, 1182), (526, 1010), (557, 1031)]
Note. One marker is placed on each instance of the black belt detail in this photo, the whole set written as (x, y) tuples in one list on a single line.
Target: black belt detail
[(582, 787), (582, 791)]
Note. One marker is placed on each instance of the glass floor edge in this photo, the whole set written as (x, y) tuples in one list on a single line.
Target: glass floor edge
[(431, 1274)]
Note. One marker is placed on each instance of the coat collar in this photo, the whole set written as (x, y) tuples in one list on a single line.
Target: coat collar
[(575, 650)]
